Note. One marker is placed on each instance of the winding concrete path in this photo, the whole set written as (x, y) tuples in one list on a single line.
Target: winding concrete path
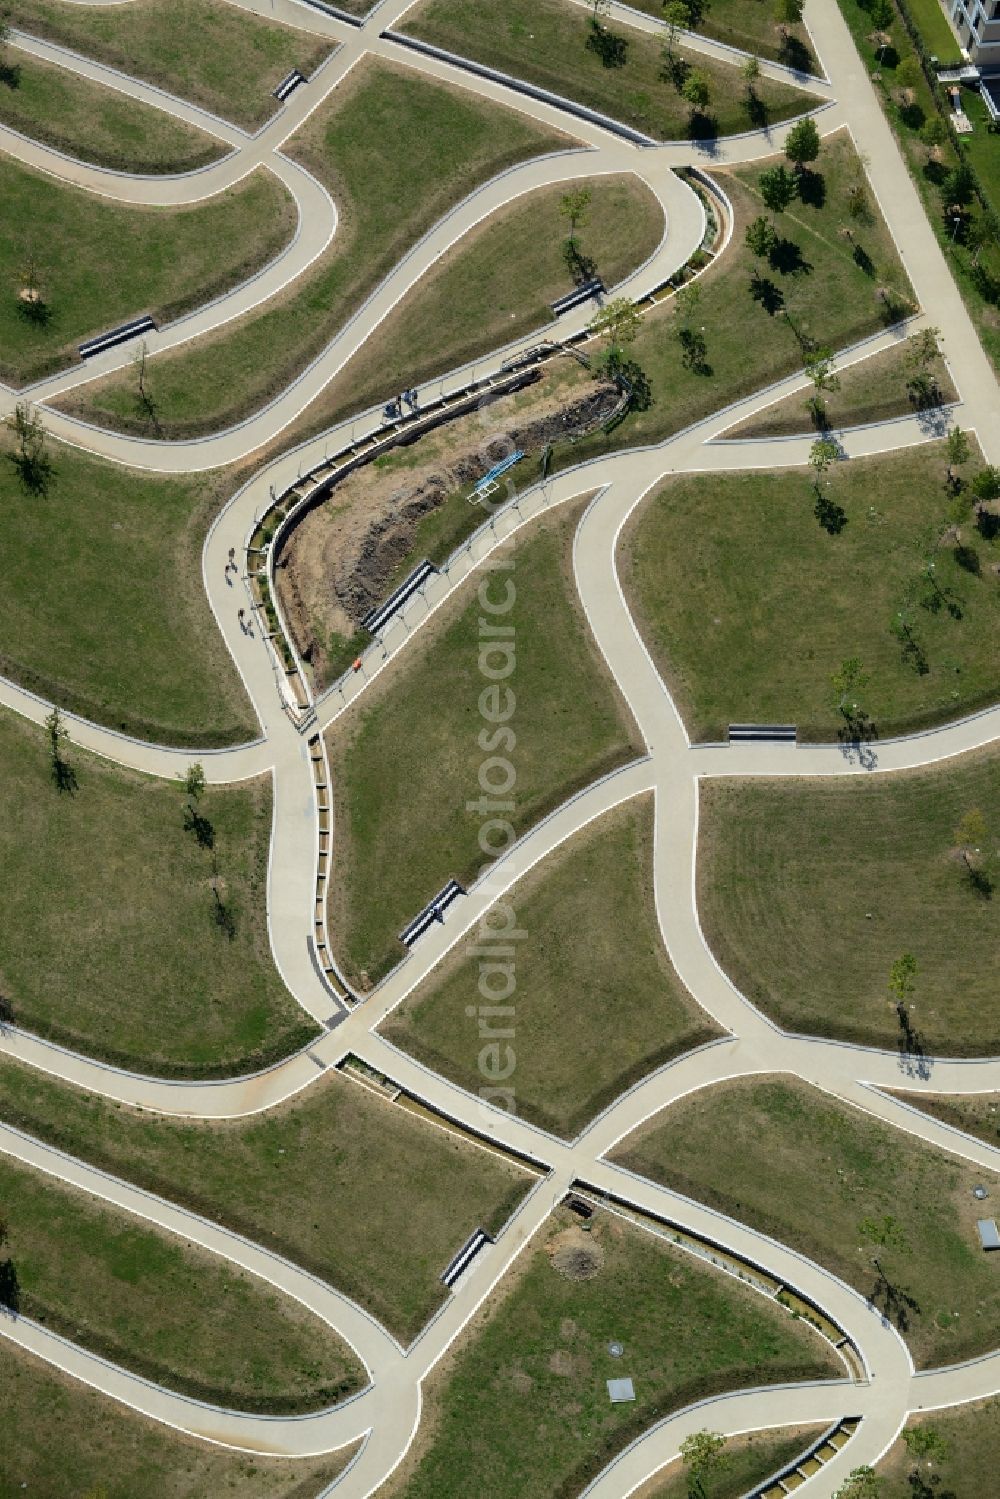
[(388, 1412)]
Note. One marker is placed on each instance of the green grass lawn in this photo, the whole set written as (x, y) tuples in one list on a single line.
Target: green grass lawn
[(64, 1438), (135, 967), (927, 172), (150, 1302), (748, 1461), (416, 731), (545, 42), (589, 1017), (62, 628), (750, 25), (796, 1164), (125, 260), (386, 201), (749, 604), (976, 1113), (870, 391), (966, 1470), (828, 295), (809, 890), (522, 1410), (96, 124), (207, 51), (982, 148), (357, 1190), (938, 37), (496, 285)]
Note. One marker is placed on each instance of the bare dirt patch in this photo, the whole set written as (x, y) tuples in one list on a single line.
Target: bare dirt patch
[(575, 1254), (345, 555)]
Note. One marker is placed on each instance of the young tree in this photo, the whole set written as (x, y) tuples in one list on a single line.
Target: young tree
[(777, 188), (921, 353), (861, 1483), (788, 13), (909, 71), (959, 185), (926, 1442), (58, 733), (676, 17), (691, 339), (934, 133), (881, 14), (849, 680), (696, 93), (573, 206), (802, 145), (194, 781), (819, 368), (63, 774), (702, 1453), (33, 464), (761, 236), (618, 321), (751, 73), (823, 452), (970, 836), (986, 484), (858, 205), (957, 454), (903, 977)]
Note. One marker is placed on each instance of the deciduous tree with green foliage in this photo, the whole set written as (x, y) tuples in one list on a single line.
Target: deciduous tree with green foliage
[(31, 458), (777, 188), (802, 144), (696, 93), (618, 321), (788, 13), (861, 1483), (703, 1453), (986, 484), (903, 977), (63, 774), (849, 681), (761, 236), (971, 837), (957, 453), (926, 1442)]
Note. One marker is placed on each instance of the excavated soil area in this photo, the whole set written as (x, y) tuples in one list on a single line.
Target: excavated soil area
[(346, 554)]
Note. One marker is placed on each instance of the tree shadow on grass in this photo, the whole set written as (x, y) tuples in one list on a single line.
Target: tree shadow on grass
[(64, 777), (611, 48), (812, 188), (10, 74), (795, 54), (863, 260), (893, 1301), (831, 516), (787, 259), (927, 1486), (702, 127), (770, 296), (195, 822), (10, 1287)]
